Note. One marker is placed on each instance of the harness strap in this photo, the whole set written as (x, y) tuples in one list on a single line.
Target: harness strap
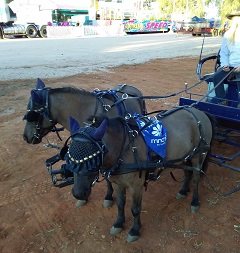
[(120, 168), (201, 144), (117, 101), (47, 105), (135, 152)]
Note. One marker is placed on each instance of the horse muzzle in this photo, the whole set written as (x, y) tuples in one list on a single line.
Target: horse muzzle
[(82, 195), (34, 140)]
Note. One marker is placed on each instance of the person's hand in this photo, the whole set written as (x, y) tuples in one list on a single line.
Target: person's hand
[(236, 69), (226, 68)]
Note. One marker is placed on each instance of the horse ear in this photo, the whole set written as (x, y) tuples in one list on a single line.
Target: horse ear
[(98, 133), (36, 97), (74, 125), (40, 84)]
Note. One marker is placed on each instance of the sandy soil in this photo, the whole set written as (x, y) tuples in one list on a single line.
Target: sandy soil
[(37, 217)]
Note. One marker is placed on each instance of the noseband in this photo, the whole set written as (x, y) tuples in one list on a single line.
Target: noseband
[(35, 119)]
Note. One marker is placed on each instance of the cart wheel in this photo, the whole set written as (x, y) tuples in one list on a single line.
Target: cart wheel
[(221, 33), (31, 31), (215, 33), (43, 31), (1, 33)]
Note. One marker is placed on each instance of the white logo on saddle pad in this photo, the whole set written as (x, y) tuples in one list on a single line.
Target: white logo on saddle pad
[(155, 135)]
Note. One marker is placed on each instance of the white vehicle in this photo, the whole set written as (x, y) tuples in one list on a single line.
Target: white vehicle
[(8, 27)]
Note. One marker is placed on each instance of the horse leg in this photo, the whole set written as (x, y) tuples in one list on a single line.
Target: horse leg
[(136, 208), (108, 201), (186, 185), (195, 197), (201, 164), (121, 200)]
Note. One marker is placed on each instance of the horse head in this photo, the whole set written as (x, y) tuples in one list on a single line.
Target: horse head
[(84, 157), (38, 119)]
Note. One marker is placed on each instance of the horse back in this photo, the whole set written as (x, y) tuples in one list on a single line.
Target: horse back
[(135, 103), (185, 127)]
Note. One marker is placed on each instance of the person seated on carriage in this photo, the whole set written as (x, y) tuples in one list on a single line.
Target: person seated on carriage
[(229, 59)]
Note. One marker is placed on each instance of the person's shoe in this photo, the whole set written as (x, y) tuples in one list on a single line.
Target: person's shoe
[(219, 137), (224, 102)]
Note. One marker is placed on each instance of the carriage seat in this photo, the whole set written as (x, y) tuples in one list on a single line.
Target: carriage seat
[(230, 85)]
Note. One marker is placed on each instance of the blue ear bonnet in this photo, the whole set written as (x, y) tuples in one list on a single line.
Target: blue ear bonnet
[(38, 97), (38, 104), (37, 100), (85, 154)]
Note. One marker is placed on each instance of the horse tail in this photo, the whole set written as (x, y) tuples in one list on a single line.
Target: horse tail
[(214, 123), (207, 158)]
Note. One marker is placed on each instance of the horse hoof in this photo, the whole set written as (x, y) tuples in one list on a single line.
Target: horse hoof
[(114, 231), (80, 203), (107, 203), (194, 209), (132, 238), (180, 196)]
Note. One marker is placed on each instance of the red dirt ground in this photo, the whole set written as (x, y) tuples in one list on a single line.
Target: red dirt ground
[(37, 217)]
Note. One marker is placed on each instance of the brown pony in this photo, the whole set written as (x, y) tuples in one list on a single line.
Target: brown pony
[(117, 149), (48, 107)]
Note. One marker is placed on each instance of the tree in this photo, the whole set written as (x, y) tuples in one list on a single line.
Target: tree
[(225, 7), (190, 7), (229, 6), (196, 7)]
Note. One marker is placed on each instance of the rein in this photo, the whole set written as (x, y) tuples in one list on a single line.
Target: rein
[(172, 94)]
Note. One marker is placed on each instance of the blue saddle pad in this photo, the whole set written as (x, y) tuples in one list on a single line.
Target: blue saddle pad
[(155, 135)]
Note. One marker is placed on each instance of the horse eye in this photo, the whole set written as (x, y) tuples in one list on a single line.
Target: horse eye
[(32, 116)]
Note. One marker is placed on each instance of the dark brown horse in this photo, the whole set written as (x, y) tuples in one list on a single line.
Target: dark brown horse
[(117, 150), (50, 106)]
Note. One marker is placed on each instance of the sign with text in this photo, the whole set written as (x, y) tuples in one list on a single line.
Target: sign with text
[(135, 26)]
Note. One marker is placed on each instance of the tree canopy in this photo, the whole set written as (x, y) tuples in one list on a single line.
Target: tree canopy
[(228, 6), (196, 7)]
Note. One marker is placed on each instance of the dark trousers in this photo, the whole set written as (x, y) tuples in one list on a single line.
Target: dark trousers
[(219, 76)]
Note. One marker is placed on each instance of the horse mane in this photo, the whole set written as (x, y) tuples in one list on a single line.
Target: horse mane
[(72, 89), (111, 123)]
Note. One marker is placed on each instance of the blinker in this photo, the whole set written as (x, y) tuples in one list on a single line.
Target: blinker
[(32, 116)]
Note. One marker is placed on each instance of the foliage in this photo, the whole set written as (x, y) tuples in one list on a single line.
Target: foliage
[(196, 7), (229, 6), (193, 7), (225, 7)]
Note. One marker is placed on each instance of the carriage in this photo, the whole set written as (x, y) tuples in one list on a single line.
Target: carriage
[(224, 119)]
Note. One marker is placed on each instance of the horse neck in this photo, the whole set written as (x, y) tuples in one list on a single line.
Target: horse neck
[(120, 142), (77, 104)]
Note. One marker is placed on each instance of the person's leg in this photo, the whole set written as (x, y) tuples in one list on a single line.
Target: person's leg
[(219, 90), (238, 88)]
